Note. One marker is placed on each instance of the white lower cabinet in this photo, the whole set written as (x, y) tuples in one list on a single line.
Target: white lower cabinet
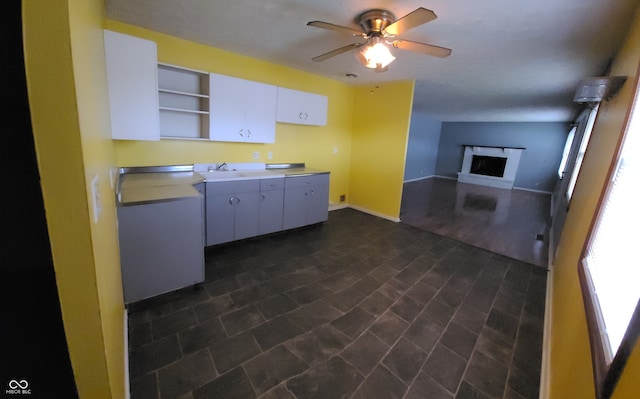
[(232, 211)]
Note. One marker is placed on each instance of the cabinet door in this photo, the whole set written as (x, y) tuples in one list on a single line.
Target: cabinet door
[(317, 204), (220, 217), (132, 81), (160, 247), (271, 208), (246, 215), (301, 108), (316, 109), (295, 207), (261, 100), (227, 108)]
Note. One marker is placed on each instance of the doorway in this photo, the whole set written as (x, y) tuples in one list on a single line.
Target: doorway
[(35, 360)]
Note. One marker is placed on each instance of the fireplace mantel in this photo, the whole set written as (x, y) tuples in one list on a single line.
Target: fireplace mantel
[(512, 155)]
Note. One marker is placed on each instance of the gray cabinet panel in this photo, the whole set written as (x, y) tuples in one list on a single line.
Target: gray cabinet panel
[(220, 216), (246, 215), (318, 204), (160, 247), (271, 208), (295, 208), (232, 211), (272, 184), (306, 200)]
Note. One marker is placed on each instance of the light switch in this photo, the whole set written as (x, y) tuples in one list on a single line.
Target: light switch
[(97, 201)]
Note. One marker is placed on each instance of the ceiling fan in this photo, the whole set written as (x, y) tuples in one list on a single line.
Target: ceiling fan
[(379, 28)]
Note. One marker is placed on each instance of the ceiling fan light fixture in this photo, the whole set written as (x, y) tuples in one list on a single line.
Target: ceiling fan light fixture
[(375, 55)]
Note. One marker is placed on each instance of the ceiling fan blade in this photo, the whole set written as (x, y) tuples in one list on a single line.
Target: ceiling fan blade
[(424, 48), (415, 18), (335, 52), (380, 69), (336, 28)]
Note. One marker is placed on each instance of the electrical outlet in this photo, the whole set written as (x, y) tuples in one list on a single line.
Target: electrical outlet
[(270, 155), (343, 198), (335, 150)]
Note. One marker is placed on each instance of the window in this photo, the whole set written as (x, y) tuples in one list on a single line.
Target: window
[(565, 153), (609, 271), (581, 151)]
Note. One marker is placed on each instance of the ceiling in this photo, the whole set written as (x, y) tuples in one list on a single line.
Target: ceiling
[(511, 61)]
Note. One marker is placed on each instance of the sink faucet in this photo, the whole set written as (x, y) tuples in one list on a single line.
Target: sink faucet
[(222, 166)]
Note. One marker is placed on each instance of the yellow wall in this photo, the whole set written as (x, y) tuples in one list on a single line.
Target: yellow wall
[(382, 116), (67, 94), (294, 143), (570, 360), (64, 57)]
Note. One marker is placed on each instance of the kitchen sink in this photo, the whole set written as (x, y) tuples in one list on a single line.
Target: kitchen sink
[(240, 175)]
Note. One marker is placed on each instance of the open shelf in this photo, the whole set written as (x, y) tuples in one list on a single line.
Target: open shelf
[(183, 96)]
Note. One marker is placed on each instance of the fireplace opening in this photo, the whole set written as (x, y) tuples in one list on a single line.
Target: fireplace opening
[(488, 166)]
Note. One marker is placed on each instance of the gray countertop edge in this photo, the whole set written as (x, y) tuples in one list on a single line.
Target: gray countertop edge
[(285, 172)]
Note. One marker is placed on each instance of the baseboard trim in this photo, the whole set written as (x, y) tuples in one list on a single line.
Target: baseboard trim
[(532, 190), (335, 207), (419, 178), (374, 213), (545, 367), (127, 385)]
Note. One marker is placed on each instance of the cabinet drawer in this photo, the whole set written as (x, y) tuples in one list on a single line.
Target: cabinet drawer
[(232, 187), (272, 184), (306, 181)]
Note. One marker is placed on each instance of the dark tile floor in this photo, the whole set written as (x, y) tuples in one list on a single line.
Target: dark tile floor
[(357, 307)]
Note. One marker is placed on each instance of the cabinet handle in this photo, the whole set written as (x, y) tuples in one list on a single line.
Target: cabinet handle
[(263, 196), (312, 191), (237, 200), (231, 200), (300, 115), (248, 133), (306, 116), (240, 133)]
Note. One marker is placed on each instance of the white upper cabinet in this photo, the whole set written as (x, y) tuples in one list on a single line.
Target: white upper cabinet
[(132, 81), (242, 110), (301, 108)]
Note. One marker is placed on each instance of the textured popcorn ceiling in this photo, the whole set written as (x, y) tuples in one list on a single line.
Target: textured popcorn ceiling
[(512, 60)]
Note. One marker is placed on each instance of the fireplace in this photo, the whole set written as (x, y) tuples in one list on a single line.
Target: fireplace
[(490, 166)]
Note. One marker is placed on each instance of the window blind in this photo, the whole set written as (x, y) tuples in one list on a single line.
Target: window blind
[(611, 257)]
